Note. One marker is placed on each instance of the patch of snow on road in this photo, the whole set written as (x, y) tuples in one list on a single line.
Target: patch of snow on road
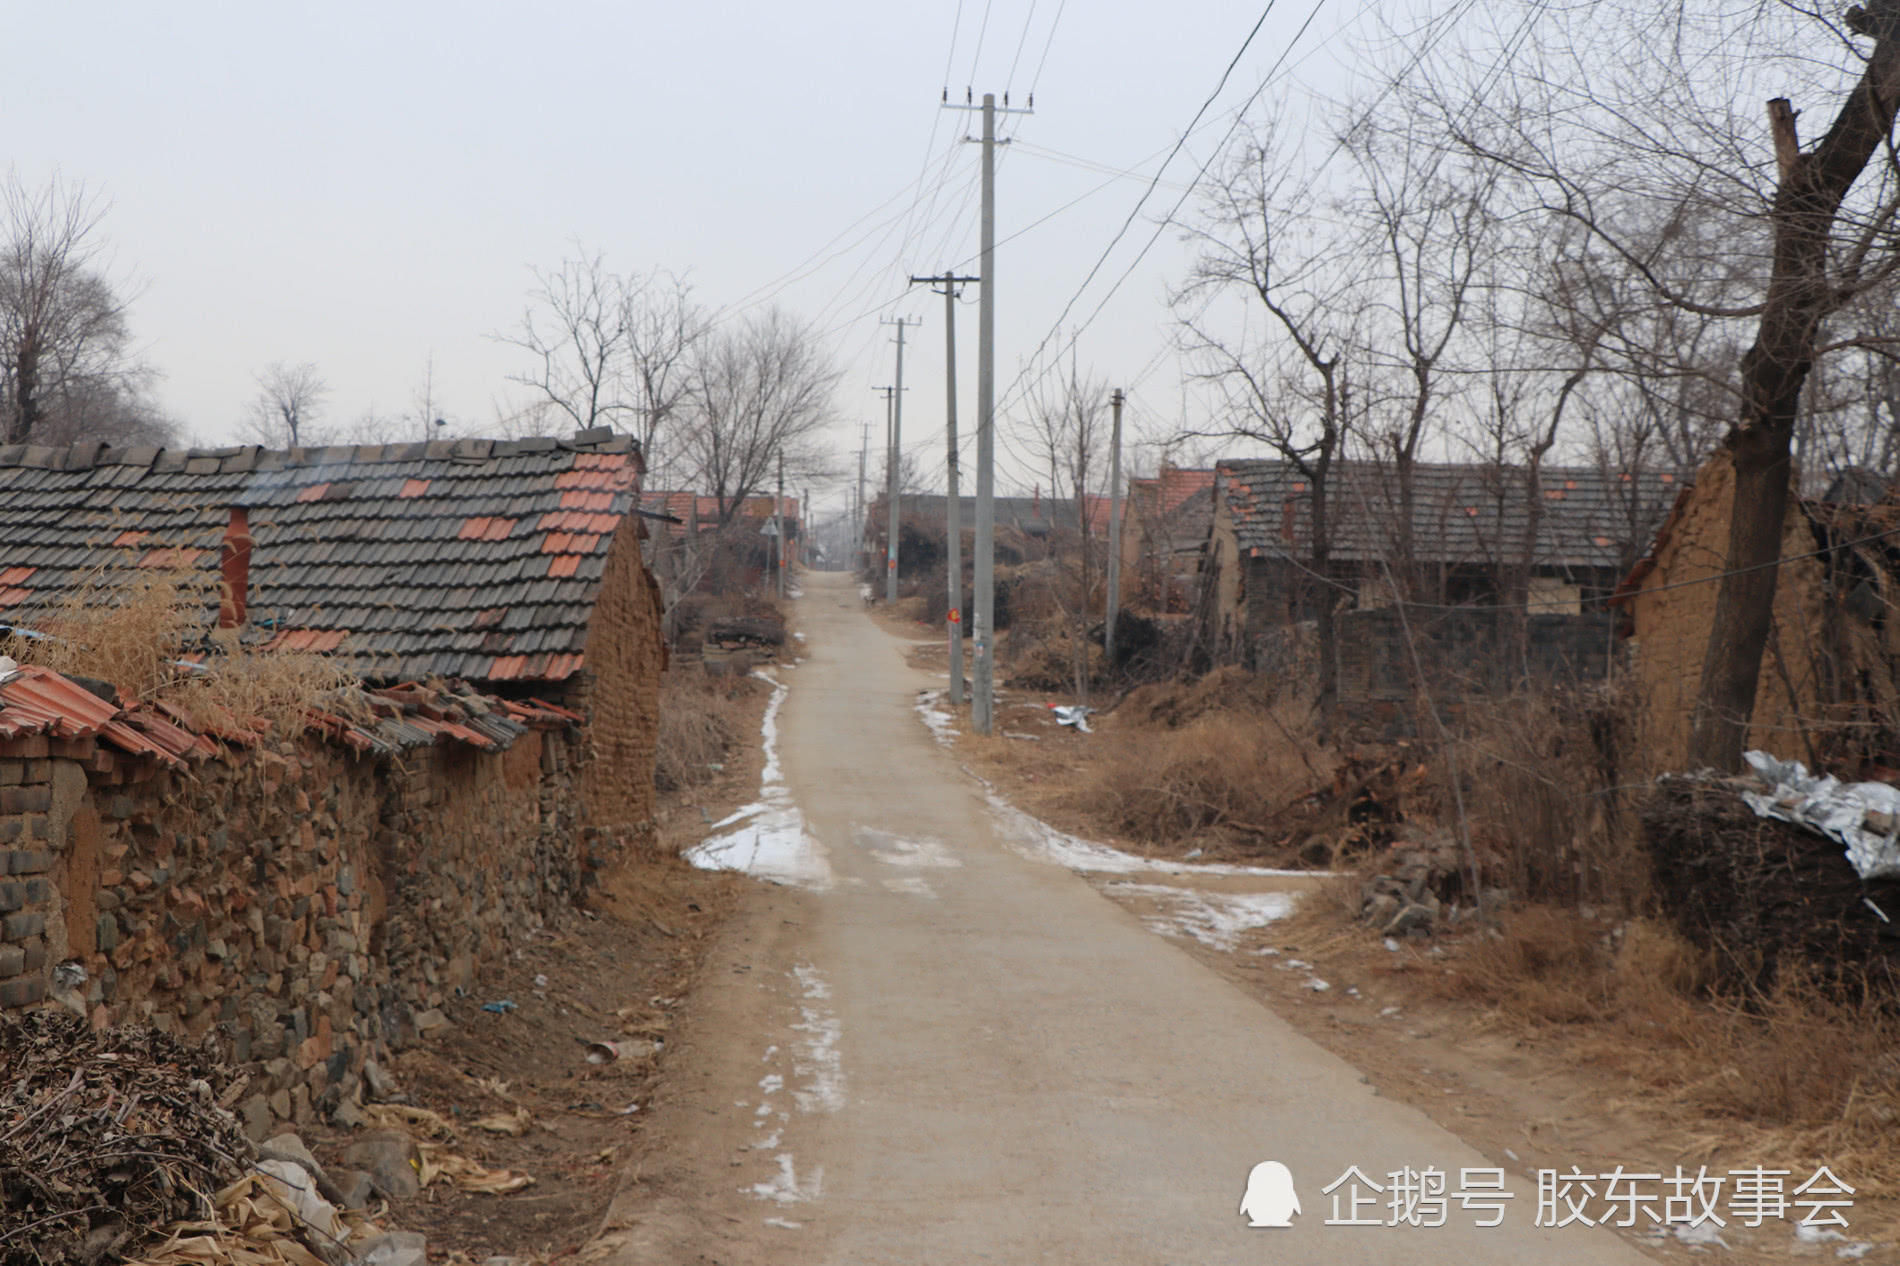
[(1035, 839), (784, 1187), (815, 1058), (769, 839), (942, 724), (911, 886), (895, 850), (785, 1223), (1216, 919)]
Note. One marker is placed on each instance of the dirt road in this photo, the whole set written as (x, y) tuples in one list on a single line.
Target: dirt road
[(929, 1046)]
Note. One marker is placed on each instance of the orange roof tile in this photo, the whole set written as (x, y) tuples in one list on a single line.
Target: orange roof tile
[(413, 487), (473, 529), (16, 575), (564, 565), (313, 493)]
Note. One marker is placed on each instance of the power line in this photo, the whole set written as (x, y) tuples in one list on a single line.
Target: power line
[(1143, 200), (1044, 59), (1173, 211), (1023, 39)]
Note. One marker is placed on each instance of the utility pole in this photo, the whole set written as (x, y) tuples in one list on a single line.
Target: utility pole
[(857, 545), (890, 461), (778, 527), (1114, 528), (897, 454), (953, 506), (983, 676)]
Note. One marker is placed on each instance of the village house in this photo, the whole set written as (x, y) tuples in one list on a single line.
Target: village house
[(694, 546), (1478, 557), (1165, 522), (512, 565), (311, 897), (1829, 687)]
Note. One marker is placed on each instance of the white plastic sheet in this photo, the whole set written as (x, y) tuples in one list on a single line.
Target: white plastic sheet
[(1838, 810)]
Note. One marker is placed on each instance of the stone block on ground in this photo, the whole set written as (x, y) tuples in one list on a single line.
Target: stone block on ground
[(391, 1159)]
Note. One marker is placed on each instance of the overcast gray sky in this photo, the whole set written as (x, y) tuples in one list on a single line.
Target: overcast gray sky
[(367, 186)]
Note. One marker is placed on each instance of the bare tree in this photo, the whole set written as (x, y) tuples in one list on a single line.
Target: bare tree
[(287, 410), (1430, 234), (1623, 107), (67, 372), (760, 391), (663, 329), (576, 334), (1256, 240)]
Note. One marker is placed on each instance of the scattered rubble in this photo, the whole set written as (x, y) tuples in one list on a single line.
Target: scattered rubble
[(1421, 884)]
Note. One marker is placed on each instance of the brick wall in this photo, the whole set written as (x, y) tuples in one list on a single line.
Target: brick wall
[(619, 690), (304, 903)]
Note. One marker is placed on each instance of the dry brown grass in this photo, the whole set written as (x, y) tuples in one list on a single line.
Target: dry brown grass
[(136, 628), (1223, 770), (702, 721), (1798, 1072)]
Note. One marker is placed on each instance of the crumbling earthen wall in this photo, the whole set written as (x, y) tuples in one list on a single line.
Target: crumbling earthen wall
[(308, 905), (1674, 609), (619, 690)]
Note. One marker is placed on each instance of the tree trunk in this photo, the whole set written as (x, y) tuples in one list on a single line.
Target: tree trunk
[(1800, 295)]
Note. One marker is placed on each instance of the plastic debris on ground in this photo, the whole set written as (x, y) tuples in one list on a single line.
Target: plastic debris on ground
[(1863, 816), (1074, 714), (502, 1007)]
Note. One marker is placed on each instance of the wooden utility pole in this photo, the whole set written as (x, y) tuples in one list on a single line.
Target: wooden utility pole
[(1114, 528), (952, 506)]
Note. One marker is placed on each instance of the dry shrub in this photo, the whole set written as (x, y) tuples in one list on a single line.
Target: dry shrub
[(1553, 818), (1223, 770), (1051, 655), (1169, 705), (149, 633), (702, 720)]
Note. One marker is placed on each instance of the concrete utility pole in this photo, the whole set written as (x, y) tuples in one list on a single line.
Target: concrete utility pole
[(890, 465), (857, 542), (778, 527), (897, 456), (1114, 527), (983, 674), (953, 507)]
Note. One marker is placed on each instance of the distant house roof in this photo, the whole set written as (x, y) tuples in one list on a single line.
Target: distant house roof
[(1460, 513), (476, 559), (1175, 506), (690, 507)]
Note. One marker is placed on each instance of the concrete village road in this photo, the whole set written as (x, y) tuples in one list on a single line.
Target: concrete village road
[(934, 1047)]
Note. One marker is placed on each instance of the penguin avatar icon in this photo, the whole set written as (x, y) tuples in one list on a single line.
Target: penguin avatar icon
[(1270, 1199)]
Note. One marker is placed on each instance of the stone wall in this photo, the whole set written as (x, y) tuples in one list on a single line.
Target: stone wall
[(308, 905)]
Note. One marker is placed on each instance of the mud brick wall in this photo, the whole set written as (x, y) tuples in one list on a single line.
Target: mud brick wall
[(619, 690), (304, 905), (1674, 609)]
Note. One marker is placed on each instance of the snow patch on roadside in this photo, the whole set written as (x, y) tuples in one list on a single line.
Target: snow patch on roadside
[(911, 886), (942, 724), (785, 1187), (1035, 839), (1215, 919), (769, 839), (816, 1062)]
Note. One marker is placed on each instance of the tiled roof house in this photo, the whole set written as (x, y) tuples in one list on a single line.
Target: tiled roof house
[(515, 565), (1468, 524)]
